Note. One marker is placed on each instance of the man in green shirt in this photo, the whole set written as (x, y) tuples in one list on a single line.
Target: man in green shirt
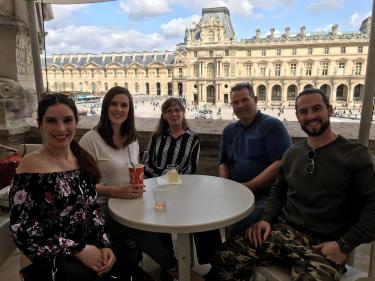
[(321, 207)]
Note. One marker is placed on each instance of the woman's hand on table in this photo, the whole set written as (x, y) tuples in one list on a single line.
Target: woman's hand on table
[(129, 191)]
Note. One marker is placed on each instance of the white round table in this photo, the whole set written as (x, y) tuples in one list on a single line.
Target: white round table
[(199, 203)]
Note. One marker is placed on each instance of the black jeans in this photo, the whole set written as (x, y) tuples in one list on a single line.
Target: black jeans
[(69, 268)]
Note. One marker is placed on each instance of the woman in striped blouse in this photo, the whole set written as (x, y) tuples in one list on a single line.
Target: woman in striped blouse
[(174, 143)]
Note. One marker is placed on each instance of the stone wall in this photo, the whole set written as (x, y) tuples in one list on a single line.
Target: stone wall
[(210, 133)]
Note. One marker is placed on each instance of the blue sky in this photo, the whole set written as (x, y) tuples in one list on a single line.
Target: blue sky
[(147, 25)]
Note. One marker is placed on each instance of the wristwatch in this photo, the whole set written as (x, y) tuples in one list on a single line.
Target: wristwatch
[(344, 246)]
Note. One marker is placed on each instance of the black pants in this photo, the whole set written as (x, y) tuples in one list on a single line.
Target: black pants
[(206, 244), (69, 268)]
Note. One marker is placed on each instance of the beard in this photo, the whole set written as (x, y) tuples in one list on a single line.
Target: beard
[(314, 133)]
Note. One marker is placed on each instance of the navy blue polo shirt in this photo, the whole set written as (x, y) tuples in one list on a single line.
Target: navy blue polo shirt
[(248, 150)]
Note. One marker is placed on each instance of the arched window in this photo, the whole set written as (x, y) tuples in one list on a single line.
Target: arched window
[(158, 92), (261, 93), (292, 91), (276, 93)]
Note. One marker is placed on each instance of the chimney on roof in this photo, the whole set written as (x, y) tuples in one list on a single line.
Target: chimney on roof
[(334, 29), (302, 31), (287, 32), (272, 33), (113, 56), (257, 33), (155, 55), (123, 55)]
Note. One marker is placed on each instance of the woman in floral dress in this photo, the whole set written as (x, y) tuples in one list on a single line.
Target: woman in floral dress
[(54, 219)]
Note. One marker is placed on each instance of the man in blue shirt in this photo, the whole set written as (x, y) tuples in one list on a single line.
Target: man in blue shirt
[(251, 149)]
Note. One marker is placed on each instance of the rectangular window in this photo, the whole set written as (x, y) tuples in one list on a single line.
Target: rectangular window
[(135, 73), (92, 74), (114, 73), (248, 70), (125, 73), (195, 54), (226, 70), (360, 49), (308, 69), (264, 53), (293, 69), (343, 50), (341, 68), (326, 51), (169, 72), (146, 72), (325, 69), (249, 53), (180, 72), (196, 70), (278, 52), (358, 68), (226, 53), (294, 52), (157, 72), (263, 70), (277, 69), (310, 51)]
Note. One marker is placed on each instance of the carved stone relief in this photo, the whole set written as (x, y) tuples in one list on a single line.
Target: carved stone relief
[(16, 104), (24, 58)]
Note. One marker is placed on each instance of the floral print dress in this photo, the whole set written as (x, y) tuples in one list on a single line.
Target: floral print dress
[(52, 213)]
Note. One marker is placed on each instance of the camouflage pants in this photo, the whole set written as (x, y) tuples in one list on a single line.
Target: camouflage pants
[(285, 246)]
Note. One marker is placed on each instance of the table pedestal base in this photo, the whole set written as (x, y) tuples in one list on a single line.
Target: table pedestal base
[(184, 259)]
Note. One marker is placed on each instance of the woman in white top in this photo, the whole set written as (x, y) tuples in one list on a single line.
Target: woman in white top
[(113, 144)]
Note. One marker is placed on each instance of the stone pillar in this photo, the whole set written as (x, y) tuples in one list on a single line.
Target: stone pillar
[(17, 82), (350, 99)]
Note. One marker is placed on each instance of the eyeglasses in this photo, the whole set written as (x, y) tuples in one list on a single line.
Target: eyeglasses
[(310, 167)]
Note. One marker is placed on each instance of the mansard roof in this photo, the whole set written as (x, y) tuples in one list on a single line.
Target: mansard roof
[(103, 60), (222, 14)]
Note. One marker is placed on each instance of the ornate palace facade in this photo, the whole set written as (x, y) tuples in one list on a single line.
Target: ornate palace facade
[(210, 60)]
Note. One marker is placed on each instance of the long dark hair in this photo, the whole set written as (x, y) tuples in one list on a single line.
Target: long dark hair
[(104, 128), (163, 125), (85, 161)]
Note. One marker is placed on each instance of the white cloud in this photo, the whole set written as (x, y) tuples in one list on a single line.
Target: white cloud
[(63, 15), (271, 3), (141, 9), (96, 39), (356, 19), (176, 27), (323, 6)]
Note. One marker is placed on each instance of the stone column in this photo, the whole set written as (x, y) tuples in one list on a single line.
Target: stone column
[(17, 83)]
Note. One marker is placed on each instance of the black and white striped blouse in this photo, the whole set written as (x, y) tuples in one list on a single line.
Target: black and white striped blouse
[(164, 150)]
